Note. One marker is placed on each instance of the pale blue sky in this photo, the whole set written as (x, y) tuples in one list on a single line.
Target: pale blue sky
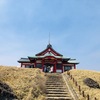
[(74, 26)]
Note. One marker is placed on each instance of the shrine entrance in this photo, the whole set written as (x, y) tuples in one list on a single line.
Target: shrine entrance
[(48, 67), (49, 64)]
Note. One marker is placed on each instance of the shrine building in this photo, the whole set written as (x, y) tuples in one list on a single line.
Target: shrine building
[(49, 58)]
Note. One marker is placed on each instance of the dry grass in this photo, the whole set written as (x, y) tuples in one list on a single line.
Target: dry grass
[(27, 83), (80, 75)]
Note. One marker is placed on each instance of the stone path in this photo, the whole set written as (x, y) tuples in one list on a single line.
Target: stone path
[(56, 88)]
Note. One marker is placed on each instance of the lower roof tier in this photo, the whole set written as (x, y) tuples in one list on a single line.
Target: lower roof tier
[(33, 59)]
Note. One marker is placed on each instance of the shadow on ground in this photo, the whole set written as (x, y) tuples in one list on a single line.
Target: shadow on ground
[(6, 93)]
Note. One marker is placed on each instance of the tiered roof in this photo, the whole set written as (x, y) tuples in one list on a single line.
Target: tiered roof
[(49, 51)]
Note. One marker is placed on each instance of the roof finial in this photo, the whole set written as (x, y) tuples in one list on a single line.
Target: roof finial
[(49, 45), (49, 37)]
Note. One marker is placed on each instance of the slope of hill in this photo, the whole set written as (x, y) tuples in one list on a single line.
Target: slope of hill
[(79, 76), (29, 84), (26, 84)]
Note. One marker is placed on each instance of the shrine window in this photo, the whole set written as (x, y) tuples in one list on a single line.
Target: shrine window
[(38, 65), (31, 66), (27, 66), (66, 68), (59, 66), (23, 66)]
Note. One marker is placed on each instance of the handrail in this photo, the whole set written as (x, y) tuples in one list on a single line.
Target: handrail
[(87, 96), (72, 92)]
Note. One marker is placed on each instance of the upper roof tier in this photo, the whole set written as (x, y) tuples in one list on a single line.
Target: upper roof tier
[(49, 50)]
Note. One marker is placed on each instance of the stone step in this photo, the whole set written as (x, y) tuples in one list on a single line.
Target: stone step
[(54, 81), (51, 83), (57, 92), (59, 98), (55, 84), (57, 95), (55, 87), (55, 77)]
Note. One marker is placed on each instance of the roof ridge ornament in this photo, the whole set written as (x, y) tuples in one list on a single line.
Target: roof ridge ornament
[(49, 38), (49, 44)]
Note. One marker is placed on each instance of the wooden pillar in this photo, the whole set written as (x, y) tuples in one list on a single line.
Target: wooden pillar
[(21, 64), (62, 68), (35, 63), (25, 65), (55, 63), (42, 65), (74, 66)]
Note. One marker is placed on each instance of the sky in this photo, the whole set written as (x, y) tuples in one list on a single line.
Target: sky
[(74, 27)]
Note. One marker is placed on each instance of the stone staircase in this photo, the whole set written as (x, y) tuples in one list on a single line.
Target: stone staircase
[(56, 88)]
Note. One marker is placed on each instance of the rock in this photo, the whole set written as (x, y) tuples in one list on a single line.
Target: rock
[(91, 83), (6, 93)]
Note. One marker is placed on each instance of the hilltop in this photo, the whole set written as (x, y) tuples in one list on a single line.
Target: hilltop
[(29, 83)]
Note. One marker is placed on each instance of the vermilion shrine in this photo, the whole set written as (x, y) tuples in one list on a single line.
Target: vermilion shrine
[(47, 58)]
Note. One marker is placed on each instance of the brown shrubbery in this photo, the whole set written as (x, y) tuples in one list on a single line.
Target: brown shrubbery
[(80, 76), (6, 93), (26, 83), (91, 83)]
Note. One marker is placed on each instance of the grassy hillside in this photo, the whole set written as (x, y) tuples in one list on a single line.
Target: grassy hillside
[(27, 84), (80, 75)]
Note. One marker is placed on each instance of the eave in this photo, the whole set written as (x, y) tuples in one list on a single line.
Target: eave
[(24, 60)]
